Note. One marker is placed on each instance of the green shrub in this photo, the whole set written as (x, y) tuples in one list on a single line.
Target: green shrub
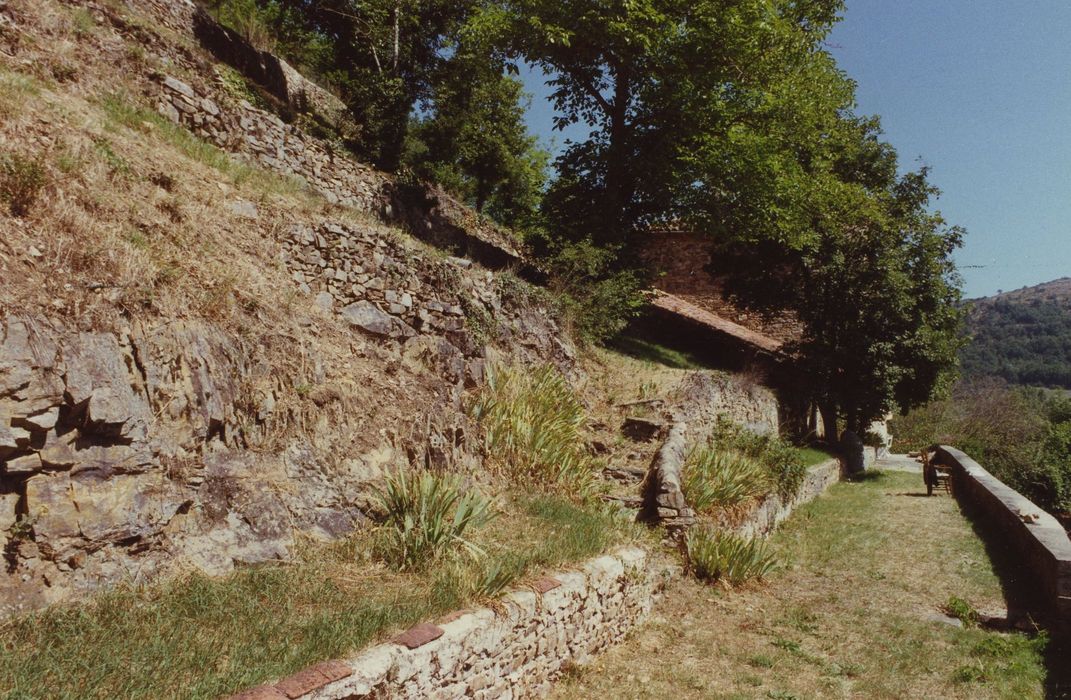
[(21, 182), (533, 424), (724, 557), (427, 517), (1020, 435), (961, 610), (783, 462), (715, 479), (598, 295)]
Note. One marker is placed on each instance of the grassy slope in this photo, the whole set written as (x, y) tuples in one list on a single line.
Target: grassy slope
[(202, 638), (844, 619)]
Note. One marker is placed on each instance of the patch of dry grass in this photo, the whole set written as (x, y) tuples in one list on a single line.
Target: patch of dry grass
[(846, 618)]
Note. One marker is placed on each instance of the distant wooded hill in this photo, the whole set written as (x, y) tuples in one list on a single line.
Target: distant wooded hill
[(1023, 336)]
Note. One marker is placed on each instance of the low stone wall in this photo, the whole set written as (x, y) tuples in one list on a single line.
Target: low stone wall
[(773, 510), (514, 651), (705, 399), (1037, 538)]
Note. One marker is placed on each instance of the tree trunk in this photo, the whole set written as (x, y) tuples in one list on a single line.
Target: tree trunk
[(617, 176), (829, 421)]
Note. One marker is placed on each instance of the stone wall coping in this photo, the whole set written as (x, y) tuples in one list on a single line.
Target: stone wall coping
[(1047, 530), (1039, 540)]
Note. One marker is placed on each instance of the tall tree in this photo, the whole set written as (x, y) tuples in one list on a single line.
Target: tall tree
[(475, 141), (381, 55), (657, 81)]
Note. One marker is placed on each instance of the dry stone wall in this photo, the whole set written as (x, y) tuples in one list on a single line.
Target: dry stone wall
[(513, 651), (128, 454), (772, 510), (239, 127), (706, 398)]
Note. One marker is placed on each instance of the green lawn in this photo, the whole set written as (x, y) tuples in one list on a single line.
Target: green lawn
[(848, 616), (650, 351), (811, 456)]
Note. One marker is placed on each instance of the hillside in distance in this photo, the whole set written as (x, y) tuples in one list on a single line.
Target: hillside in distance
[(1023, 336)]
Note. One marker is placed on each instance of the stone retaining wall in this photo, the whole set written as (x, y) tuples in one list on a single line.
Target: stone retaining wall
[(1037, 538), (706, 398), (772, 510), (429, 213), (513, 651)]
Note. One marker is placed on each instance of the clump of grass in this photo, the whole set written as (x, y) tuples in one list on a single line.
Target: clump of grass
[(533, 423), (714, 480), (21, 182), (961, 610), (427, 517), (82, 22), (15, 88), (783, 463), (727, 558)]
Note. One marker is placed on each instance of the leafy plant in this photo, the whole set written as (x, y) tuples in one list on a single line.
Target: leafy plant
[(961, 610), (724, 557), (783, 462), (714, 479), (428, 516), (533, 425), (21, 182)]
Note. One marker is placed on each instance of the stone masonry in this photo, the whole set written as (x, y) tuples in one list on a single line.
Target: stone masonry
[(514, 651), (706, 398)]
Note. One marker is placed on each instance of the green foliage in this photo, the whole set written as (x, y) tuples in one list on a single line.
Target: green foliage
[(382, 57), (250, 21), (714, 480), (475, 141), (723, 557), (961, 610), (598, 296), (1023, 337), (21, 182), (1022, 436), (426, 517), (533, 424), (783, 463)]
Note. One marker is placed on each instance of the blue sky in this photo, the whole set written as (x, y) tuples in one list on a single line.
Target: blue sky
[(980, 90)]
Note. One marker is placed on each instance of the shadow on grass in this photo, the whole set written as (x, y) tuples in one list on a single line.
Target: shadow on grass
[(1024, 600), (648, 351), (864, 477)]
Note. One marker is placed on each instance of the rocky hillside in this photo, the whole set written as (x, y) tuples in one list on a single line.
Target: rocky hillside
[(1023, 336), (216, 332)]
